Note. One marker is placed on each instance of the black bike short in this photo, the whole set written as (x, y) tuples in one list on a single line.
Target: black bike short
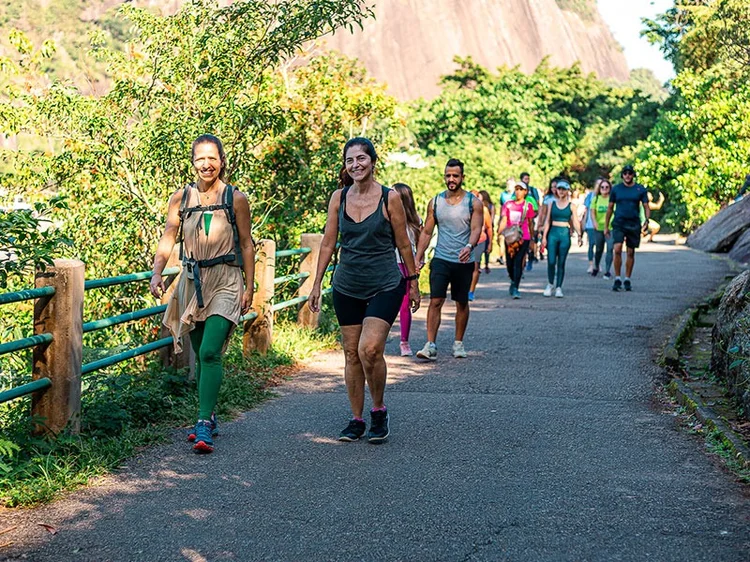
[(351, 311), (458, 275), (632, 236)]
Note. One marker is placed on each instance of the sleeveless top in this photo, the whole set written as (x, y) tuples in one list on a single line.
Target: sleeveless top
[(367, 263), (222, 284), (454, 227), (560, 215)]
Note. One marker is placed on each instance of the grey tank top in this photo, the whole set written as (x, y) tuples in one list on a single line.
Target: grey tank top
[(454, 226), (367, 263)]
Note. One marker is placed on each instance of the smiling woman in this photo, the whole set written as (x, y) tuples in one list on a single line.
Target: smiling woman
[(211, 221), (368, 287)]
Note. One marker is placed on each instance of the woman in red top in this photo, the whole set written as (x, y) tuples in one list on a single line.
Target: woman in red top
[(519, 213)]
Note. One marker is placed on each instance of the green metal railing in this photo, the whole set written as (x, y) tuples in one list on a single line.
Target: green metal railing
[(93, 325)]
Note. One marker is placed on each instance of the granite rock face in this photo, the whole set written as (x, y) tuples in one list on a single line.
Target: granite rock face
[(411, 43), (741, 250), (730, 349), (720, 232)]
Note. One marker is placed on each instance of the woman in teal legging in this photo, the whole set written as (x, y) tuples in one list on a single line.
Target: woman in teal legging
[(560, 217), (211, 221)]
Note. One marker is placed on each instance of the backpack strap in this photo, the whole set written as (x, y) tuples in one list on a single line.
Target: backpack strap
[(228, 205), (181, 214)]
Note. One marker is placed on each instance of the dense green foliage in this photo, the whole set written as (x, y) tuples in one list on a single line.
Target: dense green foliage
[(553, 121), (698, 152)]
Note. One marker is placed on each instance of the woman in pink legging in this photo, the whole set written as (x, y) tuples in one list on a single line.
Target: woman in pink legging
[(413, 229)]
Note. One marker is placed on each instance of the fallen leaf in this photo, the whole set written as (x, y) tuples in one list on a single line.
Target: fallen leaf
[(8, 530), (6, 544), (49, 528)]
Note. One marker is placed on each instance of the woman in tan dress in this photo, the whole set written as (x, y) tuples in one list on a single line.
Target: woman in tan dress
[(212, 221)]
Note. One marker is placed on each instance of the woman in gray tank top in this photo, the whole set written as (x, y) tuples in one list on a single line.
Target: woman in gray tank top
[(368, 287)]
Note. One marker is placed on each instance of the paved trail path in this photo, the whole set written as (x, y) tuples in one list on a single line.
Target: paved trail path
[(545, 444)]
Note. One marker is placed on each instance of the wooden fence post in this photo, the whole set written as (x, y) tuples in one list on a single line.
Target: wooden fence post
[(168, 357), (258, 333), (305, 316), (60, 361)]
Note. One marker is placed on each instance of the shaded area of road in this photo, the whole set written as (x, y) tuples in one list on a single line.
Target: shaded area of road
[(545, 444)]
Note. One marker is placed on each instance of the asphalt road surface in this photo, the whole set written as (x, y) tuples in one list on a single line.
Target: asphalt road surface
[(547, 443)]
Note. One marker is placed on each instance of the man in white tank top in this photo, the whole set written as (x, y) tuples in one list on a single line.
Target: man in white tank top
[(459, 218)]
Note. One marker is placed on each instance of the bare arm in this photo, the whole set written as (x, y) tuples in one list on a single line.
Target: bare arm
[(547, 216), (166, 244), (655, 206), (327, 247), (577, 225), (610, 208), (247, 247), (398, 224), (477, 222), (426, 235)]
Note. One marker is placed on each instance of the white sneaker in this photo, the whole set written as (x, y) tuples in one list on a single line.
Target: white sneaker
[(590, 269), (429, 351), (458, 350), (558, 293), (548, 290)]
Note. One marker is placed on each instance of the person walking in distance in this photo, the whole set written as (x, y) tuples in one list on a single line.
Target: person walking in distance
[(211, 221), (534, 198), (598, 210), (485, 241), (505, 196), (519, 215), (368, 287), (458, 216), (413, 230), (625, 203), (588, 226), (487, 202), (561, 217), (549, 196)]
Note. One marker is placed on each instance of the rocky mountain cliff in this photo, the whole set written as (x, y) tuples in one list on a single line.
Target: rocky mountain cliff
[(411, 43)]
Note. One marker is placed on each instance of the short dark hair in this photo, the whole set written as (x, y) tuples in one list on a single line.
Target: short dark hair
[(524, 174), (455, 163), (211, 139)]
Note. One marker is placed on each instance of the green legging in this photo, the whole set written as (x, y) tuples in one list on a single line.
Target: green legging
[(207, 339), (558, 246)]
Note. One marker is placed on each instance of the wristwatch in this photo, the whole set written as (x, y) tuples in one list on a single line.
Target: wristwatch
[(471, 246), (412, 277)]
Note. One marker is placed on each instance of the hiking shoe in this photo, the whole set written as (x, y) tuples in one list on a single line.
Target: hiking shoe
[(471, 296), (378, 427), (628, 286), (458, 350), (406, 349), (617, 286), (595, 272), (548, 290), (203, 441), (559, 293), (214, 429), (607, 276), (353, 431), (429, 351)]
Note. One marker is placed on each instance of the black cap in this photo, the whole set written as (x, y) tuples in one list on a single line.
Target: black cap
[(628, 168)]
